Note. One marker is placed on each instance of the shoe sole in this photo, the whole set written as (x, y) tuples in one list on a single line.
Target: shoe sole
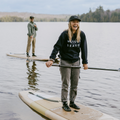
[(75, 108), (66, 110)]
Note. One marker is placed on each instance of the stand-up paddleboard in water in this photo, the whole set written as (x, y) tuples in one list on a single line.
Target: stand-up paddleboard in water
[(23, 56), (51, 107)]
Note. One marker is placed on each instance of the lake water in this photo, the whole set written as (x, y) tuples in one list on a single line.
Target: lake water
[(97, 89)]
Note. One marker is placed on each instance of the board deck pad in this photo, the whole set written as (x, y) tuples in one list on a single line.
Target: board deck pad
[(23, 56), (81, 114), (54, 111)]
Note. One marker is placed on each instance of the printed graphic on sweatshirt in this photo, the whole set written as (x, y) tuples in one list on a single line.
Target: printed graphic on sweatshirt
[(73, 43)]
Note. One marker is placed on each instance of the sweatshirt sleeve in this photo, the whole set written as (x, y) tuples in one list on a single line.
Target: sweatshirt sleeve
[(29, 30), (57, 47), (36, 28), (83, 48)]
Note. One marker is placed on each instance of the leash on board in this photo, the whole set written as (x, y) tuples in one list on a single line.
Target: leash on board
[(45, 98)]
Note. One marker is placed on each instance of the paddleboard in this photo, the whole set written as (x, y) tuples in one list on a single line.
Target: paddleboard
[(51, 107), (23, 56)]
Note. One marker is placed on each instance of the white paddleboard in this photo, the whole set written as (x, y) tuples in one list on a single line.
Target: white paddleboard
[(54, 111), (23, 56)]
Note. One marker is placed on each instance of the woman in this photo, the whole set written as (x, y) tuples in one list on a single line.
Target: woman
[(69, 45)]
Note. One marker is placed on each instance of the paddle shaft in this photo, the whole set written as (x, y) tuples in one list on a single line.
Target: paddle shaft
[(103, 69), (65, 66), (88, 67)]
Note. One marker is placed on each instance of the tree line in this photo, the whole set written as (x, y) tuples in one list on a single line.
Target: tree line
[(19, 19), (11, 19), (99, 15)]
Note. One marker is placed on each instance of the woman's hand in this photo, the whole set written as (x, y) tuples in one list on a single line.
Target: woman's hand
[(49, 63), (85, 66)]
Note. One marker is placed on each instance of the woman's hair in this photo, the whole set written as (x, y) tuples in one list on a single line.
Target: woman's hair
[(70, 33)]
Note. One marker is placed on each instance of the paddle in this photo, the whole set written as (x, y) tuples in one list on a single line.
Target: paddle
[(88, 67), (104, 69), (65, 66)]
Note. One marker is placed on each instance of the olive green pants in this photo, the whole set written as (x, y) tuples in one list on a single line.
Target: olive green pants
[(69, 75), (33, 40)]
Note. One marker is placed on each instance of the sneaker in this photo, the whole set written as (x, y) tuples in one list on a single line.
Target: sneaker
[(73, 105), (27, 54), (34, 55), (66, 107)]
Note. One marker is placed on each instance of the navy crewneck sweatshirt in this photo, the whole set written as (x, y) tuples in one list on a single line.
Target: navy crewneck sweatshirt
[(70, 51)]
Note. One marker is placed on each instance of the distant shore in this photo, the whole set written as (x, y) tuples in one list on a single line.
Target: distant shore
[(99, 15), (24, 17)]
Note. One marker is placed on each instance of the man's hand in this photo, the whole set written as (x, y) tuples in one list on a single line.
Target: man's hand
[(85, 66), (31, 36), (35, 26), (49, 63)]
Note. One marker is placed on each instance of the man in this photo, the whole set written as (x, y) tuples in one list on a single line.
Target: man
[(32, 28)]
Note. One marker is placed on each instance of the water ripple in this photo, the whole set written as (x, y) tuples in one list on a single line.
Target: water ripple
[(6, 93)]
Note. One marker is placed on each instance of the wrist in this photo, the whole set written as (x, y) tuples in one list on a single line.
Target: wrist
[(51, 60)]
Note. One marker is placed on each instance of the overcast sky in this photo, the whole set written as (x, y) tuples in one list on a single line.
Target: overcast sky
[(56, 6)]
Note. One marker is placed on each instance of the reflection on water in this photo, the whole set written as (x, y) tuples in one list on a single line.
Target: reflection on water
[(33, 78), (33, 75)]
